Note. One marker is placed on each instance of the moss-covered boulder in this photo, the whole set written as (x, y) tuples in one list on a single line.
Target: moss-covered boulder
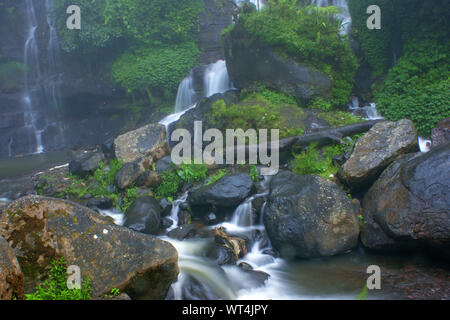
[(11, 277), (250, 61), (41, 230)]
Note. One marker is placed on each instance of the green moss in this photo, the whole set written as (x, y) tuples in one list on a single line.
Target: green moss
[(339, 118), (259, 109)]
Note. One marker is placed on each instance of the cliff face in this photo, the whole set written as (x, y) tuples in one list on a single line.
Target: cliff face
[(76, 105)]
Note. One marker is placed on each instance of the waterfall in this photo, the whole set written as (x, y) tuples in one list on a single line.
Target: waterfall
[(42, 81), (33, 71), (216, 79), (186, 96), (344, 15), (259, 4)]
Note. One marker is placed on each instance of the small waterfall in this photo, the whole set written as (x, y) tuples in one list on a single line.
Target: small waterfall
[(368, 112), (186, 96), (259, 4), (216, 79), (344, 15), (424, 145), (175, 209)]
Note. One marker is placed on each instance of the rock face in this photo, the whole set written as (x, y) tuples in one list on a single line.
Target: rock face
[(441, 133), (228, 191), (149, 179), (409, 205), (249, 61), (148, 142), (378, 148), (144, 215), (11, 277), (42, 229), (308, 216), (86, 164)]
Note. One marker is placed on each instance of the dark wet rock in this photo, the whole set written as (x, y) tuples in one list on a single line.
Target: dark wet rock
[(183, 232), (441, 133), (86, 163), (148, 142), (184, 217), (41, 230), (149, 179), (210, 219), (308, 216), (409, 205), (228, 191), (166, 206), (128, 174), (238, 246), (100, 203), (108, 148), (164, 164), (144, 215), (222, 255), (378, 148), (11, 277), (166, 223), (249, 61)]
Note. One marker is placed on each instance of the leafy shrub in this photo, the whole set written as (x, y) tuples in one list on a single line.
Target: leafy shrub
[(55, 288), (253, 173), (169, 186), (155, 69)]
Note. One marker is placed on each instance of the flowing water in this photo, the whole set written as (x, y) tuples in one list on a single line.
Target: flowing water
[(42, 80), (216, 79)]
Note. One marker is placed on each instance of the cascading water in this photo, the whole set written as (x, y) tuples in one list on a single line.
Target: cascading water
[(259, 4), (33, 72), (186, 96), (344, 15), (216, 79), (42, 80)]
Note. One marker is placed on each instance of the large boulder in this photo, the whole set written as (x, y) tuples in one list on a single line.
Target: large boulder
[(249, 61), (11, 277), (228, 191), (148, 142), (42, 229), (308, 216), (128, 174), (86, 163), (378, 148), (409, 205), (144, 215)]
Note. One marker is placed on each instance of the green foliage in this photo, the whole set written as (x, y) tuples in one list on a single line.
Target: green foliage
[(221, 173), (309, 35), (320, 162), (172, 180), (139, 22), (363, 294), (261, 109), (418, 87), (375, 44), (55, 288), (99, 185), (169, 186), (340, 118), (155, 69), (192, 172), (113, 293), (253, 173)]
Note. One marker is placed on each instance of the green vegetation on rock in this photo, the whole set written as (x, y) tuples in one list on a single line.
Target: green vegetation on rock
[(310, 36), (55, 287), (259, 109)]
